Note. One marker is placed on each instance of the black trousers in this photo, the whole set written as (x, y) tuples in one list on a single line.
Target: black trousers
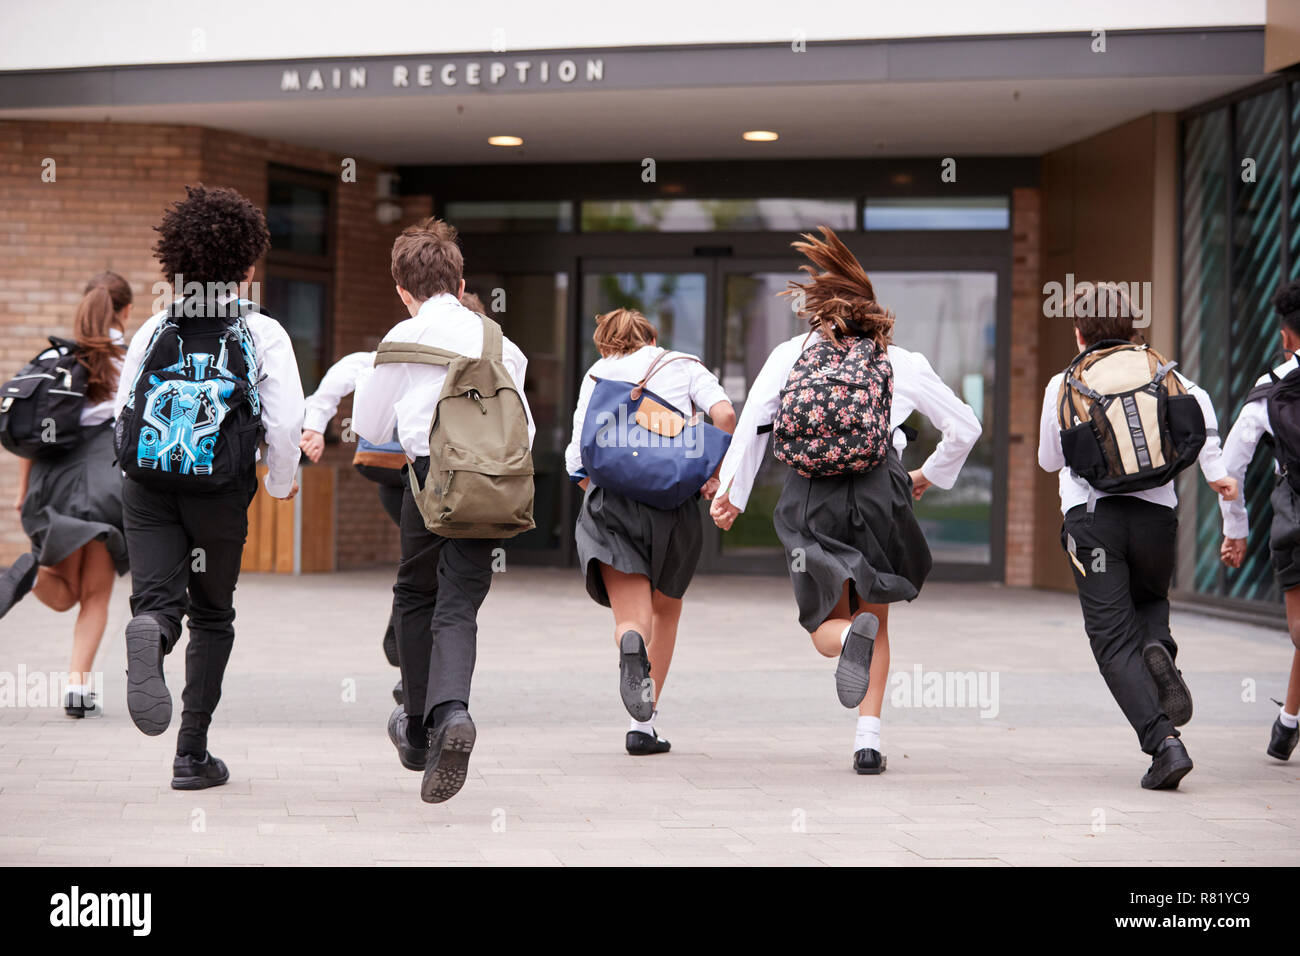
[(185, 556), (441, 584), (1123, 563), (390, 497)]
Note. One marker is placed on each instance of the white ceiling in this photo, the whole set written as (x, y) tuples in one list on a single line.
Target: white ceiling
[(1001, 117)]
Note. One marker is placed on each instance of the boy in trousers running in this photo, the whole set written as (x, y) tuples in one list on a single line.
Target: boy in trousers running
[(1121, 550), (441, 582), (186, 541)]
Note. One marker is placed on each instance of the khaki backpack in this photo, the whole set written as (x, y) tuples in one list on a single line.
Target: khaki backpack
[(480, 482), (1127, 422)]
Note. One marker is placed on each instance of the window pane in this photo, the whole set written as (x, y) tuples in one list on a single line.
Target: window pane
[(674, 302), (299, 306), (715, 215), (297, 217), (958, 213), (524, 216)]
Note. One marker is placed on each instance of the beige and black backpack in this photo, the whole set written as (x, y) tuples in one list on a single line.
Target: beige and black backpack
[(1127, 423), (480, 482)]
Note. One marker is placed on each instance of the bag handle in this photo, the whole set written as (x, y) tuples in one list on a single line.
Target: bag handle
[(659, 363)]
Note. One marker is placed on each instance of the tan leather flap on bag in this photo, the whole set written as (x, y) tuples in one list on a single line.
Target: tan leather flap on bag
[(659, 419)]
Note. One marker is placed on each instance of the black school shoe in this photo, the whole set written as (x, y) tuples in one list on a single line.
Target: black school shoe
[(634, 677), (390, 645), (412, 757), (198, 773), (854, 667), (1175, 697), (1283, 740), (1168, 766), (78, 705), (868, 761), (450, 744), (17, 581), (148, 700), (642, 745), (398, 694)]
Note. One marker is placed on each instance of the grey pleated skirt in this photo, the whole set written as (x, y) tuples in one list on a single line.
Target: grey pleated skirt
[(858, 529), (77, 498), (1284, 535), (635, 538)]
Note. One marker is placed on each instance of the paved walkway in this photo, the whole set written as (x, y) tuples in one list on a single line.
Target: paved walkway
[(759, 771)]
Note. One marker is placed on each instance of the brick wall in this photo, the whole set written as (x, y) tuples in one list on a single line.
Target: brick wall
[(112, 182), (1025, 387)]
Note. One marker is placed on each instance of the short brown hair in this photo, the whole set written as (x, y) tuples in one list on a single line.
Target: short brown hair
[(622, 332), (472, 302), (1106, 311), (427, 260)]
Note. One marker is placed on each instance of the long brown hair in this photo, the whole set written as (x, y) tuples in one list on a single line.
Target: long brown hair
[(839, 300), (104, 298)]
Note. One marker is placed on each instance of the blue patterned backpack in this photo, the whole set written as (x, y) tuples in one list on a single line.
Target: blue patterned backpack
[(193, 418)]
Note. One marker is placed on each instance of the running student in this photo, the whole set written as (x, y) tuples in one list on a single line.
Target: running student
[(847, 515), (1274, 394), (1116, 461), (204, 382), (382, 464), (638, 559), (443, 578), (71, 505)]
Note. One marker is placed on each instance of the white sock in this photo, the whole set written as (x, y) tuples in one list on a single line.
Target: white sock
[(845, 636), (1288, 720), (868, 735), (645, 727)]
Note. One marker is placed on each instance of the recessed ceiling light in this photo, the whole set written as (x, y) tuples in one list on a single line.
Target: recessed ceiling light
[(759, 136), (505, 140)]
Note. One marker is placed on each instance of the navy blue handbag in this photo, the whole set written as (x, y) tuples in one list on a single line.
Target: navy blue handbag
[(637, 444)]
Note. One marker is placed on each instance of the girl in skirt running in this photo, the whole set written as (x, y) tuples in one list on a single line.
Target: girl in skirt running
[(71, 506), (851, 537), (638, 560)]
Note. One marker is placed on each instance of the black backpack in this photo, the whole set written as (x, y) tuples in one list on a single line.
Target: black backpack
[(1282, 398), (193, 417), (40, 407)]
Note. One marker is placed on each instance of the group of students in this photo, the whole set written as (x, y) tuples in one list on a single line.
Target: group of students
[(164, 472)]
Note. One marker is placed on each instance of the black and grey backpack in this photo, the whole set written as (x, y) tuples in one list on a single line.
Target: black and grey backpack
[(40, 407)]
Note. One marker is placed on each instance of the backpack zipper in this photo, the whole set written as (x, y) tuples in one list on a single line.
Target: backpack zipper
[(478, 400)]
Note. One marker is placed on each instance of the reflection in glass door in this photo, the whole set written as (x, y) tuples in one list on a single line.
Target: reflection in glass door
[(674, 299), (949, 316)]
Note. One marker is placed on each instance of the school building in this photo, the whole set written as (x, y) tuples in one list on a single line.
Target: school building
[(665, 160)]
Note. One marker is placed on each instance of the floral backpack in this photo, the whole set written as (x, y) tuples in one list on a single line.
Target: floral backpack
[(834, 417)]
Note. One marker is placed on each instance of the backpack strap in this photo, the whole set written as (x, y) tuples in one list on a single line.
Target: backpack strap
[(392, 353), (491, 339)]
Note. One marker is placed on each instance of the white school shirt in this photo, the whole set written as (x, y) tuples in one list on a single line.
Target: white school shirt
[(336, 385), (1075, 491), (1251, 425), (681, 383), (405, 395), (916, 389), (278, 386), (102, 411)]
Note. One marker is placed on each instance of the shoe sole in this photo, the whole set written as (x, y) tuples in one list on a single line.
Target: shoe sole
[(199, 783), (148, 700), (401, 756), (1278, 755), (399, 696), (634, 677), (1175, 696), (873, 771), (1171, 779), (444, 778), (853, 671), (9, 595), (390, 648)]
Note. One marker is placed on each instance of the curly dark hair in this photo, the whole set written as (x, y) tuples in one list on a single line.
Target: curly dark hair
[(1287, 303), (212, 235)]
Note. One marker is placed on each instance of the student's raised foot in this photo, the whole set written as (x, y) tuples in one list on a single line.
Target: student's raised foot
[(854, 667), (450, 743), (869, 762), (1169, 765), (634, 683), (1282, 740), (148, 700), (1175, 696), (411, 740), (198, 773), (398, 694), (17, 581), (390, 645)]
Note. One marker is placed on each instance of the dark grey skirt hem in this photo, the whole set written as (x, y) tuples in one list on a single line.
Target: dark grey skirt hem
[(1284, 535), (854, 529), (75, 499), (634, 538)]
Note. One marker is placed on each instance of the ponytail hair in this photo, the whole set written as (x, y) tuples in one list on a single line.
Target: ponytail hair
[(104, 298), (622, 332), (839, 299)]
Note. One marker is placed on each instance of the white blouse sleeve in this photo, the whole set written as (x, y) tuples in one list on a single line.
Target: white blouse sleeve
[(745, 456), (573, 453), (956, 420), (336, 385)]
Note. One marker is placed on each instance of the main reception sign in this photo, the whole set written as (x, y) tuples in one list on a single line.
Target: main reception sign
[(532, 72)]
